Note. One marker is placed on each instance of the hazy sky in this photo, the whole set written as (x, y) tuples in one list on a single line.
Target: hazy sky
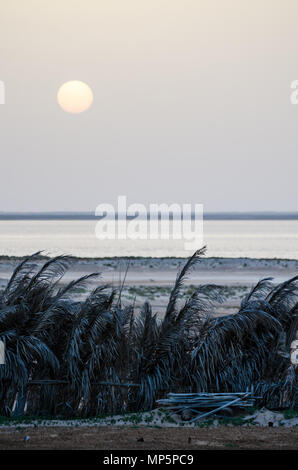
[(191, 103)]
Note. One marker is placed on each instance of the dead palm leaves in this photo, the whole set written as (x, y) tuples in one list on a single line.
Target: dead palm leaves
[(70, 351)]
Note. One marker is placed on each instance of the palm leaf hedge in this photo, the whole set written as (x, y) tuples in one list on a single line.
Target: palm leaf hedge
[(68, 358)]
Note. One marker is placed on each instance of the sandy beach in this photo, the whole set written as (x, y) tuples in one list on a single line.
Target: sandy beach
[(152, 278)]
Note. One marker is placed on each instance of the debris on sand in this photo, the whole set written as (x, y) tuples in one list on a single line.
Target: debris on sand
[(202, 405)]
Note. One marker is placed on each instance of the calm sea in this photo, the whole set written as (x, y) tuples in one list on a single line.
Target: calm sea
[(224, 238)]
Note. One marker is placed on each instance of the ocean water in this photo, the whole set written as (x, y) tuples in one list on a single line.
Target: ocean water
[(224, 238)]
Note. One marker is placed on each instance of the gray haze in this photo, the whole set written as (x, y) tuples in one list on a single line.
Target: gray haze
[(192, 103)]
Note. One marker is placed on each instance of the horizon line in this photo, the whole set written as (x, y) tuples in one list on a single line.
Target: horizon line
[(88, 215)]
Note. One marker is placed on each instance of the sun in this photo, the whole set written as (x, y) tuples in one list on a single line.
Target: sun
[(75, 96)]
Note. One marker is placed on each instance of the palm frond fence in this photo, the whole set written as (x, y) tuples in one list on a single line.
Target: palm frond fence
[(70, 358)]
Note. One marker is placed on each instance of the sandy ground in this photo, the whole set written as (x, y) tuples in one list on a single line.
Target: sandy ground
[(128, 438), (152, 278), (164, 418), (264, 429)]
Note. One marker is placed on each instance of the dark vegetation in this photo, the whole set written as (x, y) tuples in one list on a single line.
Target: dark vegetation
[(67, 358)]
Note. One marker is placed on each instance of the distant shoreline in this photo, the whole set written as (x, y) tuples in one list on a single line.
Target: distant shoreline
[(90, 216), (204, 261)]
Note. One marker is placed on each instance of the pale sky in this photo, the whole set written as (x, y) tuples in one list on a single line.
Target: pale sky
[(191, 103)]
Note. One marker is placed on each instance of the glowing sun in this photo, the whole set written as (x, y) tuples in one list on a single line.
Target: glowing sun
[(75, 96)]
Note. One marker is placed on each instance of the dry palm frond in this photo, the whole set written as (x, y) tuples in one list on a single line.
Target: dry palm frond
[(76, 348)]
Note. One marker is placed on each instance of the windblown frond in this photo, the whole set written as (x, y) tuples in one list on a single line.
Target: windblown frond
[(85, 345)]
